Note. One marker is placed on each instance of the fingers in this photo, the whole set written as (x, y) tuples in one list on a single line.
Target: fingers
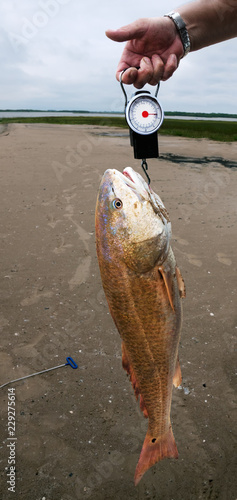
[(163, 71), (129, 76), (158, 69), (151, 71), (170, 67), (144, 73), (116, 35), (143, 65), (138, 76)]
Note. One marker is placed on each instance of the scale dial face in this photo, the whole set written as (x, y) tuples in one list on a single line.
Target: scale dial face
[(144, 114)]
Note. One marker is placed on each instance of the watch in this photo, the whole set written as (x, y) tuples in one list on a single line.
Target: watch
[(182, 30)]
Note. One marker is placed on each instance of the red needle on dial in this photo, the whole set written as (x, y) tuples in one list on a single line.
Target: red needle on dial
[(145, 114)]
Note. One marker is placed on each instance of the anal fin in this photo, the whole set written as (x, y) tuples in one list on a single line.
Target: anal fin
[(129, 369)]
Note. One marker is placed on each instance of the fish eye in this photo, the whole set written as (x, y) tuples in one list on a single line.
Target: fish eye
[(117, 203)]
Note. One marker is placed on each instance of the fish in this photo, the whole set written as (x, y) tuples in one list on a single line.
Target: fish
[(143, 287)]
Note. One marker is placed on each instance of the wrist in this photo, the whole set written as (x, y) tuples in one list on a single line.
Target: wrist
[(181, 30)]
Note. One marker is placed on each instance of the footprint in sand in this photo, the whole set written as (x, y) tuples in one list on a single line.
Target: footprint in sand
[(81, 273), (52, 221), (181, 241), (35, 297), (223, 259), (62, 246), (3, 321), (192, 259)]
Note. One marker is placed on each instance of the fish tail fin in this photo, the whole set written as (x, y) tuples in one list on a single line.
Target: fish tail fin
[(177, 380), (153, 450)]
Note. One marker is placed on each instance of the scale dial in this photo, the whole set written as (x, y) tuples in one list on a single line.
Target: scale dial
[(144, 114)]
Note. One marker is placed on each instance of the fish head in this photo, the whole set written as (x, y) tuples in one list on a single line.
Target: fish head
[(132, 224)]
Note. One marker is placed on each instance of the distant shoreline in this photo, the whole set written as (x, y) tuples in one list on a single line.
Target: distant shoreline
[(167, 113)]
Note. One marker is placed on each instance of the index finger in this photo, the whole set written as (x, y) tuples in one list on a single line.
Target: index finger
[(129, 76), (128, 32), (144, 74)]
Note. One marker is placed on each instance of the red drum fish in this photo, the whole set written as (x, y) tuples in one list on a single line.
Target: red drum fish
[(143, 287)]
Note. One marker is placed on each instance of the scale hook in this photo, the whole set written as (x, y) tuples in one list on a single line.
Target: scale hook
[(145, 168)]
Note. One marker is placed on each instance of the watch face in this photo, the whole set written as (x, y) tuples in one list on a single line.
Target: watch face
[(144, 114)]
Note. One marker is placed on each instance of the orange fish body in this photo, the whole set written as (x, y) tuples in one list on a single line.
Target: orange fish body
[(143, 287)]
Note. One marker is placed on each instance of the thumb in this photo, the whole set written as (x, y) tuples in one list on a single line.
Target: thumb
[(129, 32)]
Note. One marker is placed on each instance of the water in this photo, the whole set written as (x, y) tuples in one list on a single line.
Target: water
[(211, 118)]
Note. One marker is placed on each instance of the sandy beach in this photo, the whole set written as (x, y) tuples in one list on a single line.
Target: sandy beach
[(79, 432)]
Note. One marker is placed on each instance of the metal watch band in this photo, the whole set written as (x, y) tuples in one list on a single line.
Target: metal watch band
[(182, 30)]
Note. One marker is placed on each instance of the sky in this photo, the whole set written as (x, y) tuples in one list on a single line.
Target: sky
[(54, 55)]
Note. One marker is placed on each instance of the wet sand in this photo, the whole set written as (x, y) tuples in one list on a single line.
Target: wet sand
[(79, 432)]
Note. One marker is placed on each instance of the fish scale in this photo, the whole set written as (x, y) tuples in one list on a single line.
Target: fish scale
[(142, 323), (143, 287)]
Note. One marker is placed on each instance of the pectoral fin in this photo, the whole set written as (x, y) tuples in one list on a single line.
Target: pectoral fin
[(168, 280)]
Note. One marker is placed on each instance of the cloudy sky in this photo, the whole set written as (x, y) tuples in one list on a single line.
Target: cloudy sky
[(54, 55)]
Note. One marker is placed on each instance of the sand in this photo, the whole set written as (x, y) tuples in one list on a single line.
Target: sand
[(79, 432)]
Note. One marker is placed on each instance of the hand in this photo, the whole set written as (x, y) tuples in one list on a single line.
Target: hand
[(153, 46)]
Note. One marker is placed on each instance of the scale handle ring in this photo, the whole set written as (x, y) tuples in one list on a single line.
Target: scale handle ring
[(124, 91), (122, 86)]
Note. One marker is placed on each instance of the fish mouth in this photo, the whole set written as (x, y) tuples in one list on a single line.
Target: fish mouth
[(129, 173), (141, 186), (144, 192), (131, 179)]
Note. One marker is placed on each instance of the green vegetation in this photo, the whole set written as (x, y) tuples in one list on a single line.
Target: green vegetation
[(109, 121), (200, 115), (215, 130)]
